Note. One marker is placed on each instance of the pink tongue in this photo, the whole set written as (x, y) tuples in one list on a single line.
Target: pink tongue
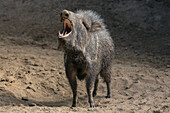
[(64, 26), (66, 23)]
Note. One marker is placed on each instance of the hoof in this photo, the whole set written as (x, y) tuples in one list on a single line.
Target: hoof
[(108, 96), (94, 94), (73, 105), (92, 106)]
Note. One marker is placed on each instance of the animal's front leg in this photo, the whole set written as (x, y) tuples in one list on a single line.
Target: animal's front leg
[(95, 86), (71, 73), (89, 85), (73, 83)]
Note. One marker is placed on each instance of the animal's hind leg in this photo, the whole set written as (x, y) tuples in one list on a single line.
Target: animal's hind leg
[(95, 86), (106, 74), (108, 90)]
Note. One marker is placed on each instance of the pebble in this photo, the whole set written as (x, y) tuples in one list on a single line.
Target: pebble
[(168, 66), (32, 104), (4, 80), (134, 65), (24, 98), (157, 111), (4, 57), (35, 64), (130, 98), (52, 69), (28, 87)]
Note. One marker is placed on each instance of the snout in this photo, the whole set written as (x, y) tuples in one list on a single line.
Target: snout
[(67, 24), (64, 15)]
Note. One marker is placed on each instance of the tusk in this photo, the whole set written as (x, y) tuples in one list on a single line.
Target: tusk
[(65, 33), (60, 35)]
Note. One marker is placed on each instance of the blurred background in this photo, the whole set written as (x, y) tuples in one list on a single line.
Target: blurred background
[(141, 26)]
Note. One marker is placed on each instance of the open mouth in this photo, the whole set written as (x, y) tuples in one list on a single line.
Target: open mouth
[(67, 28)]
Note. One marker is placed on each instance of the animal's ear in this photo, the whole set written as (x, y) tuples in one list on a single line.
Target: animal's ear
[(96, 26), (86, 25)]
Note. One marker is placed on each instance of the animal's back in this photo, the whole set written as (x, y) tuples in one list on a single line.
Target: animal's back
[(107, 48), (101, 45)]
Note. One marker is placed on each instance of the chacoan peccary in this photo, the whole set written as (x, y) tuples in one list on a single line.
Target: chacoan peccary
[(89, 51)]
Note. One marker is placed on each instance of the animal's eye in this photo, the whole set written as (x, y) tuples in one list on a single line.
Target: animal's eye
[(86, 25)]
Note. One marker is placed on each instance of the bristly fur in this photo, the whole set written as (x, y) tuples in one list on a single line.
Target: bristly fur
[(89, 51), (91, 17)]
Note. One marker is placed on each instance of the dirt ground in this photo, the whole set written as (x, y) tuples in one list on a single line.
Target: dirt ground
[(32, 80), (32, 74)]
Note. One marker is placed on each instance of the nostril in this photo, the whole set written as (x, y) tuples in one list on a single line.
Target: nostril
[(66, 15)]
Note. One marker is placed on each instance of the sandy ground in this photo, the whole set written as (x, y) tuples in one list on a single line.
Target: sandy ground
[(32, 80)]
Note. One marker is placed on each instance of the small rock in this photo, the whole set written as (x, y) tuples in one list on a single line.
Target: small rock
[(130, 98), (24, 98), (135, 81), (4, 80), (12, 81), (28, 72), (142, 103), (120, 109), (168, 66), (157, 111), (165, 107), (2, 88), (32, 57), (54, 48), (45, 69), (52, 69), (134, 65), (30, 82), (32, 104), (4, 57), (28, 87), (126, 87), (166, 74), (157, 76), (35, 64), (25, 58)]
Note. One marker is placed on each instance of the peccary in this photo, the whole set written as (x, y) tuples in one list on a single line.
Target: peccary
[(89, 51)]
